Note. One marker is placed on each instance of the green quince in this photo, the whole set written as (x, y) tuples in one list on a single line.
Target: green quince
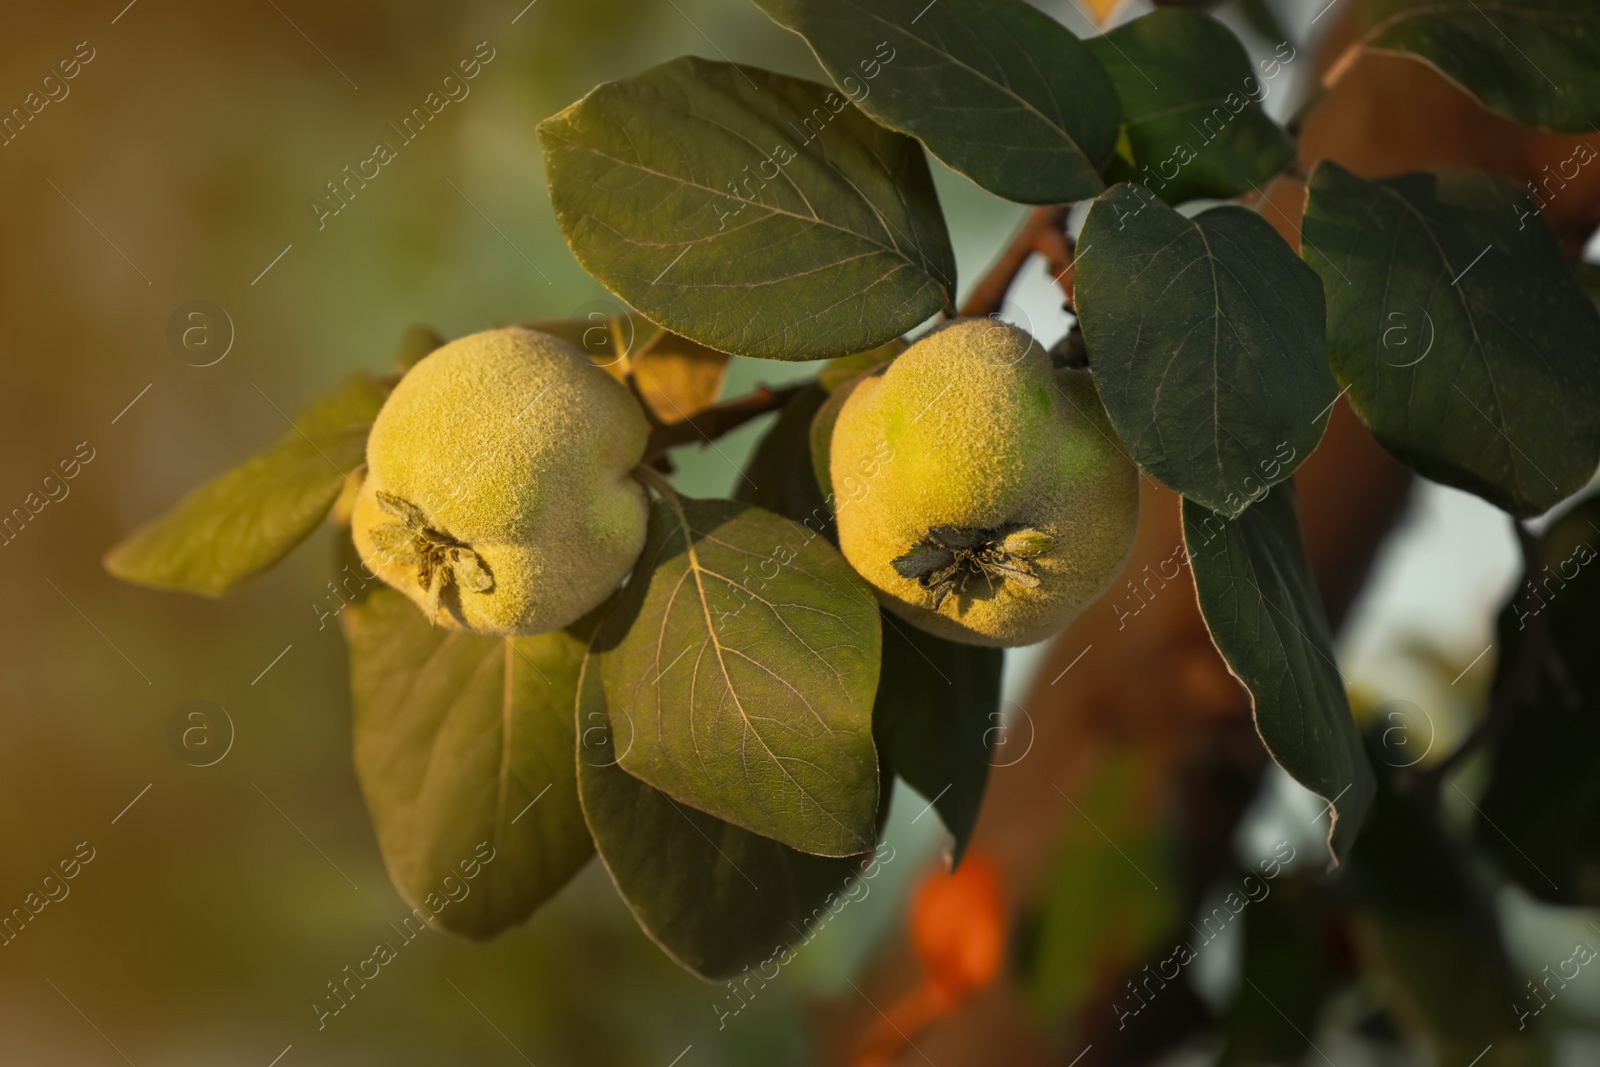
[(498, 493), (981, 491)]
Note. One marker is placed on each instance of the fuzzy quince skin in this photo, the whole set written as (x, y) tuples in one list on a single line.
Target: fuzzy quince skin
[(498, 495), (988, 500)]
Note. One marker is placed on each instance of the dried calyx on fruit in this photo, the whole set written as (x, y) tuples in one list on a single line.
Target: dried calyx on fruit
[(951, 556), (498, 494)]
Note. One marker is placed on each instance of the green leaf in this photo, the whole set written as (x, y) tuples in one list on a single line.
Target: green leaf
[(937, 707), (837, 372), (749, 668), (996, 89), (1537, 61), (1191, 106), (1283, 960), (416, 342), (779, 477), (251, 517), (714, 897), (462, 740), (1206, 340), (752, 212), (1539, 815), (1266, 618), (1427, 929), (1466, 343)]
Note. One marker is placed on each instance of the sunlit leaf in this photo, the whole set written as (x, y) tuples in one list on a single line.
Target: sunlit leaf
[(752, 212), (463, 745), (996, 89), (1205, 335), (1464, 340), (716, 898), (251, 517), (749, 668), (678, 377), (1267, 620)]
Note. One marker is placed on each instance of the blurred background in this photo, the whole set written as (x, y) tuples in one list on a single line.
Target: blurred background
[(181, 165)]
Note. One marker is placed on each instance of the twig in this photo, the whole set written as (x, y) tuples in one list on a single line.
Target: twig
[(1041, 232), (1515, 688), (713, 422)]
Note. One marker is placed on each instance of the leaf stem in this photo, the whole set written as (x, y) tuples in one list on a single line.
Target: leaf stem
[(1516, 687), (1041, 232), (713, 422)]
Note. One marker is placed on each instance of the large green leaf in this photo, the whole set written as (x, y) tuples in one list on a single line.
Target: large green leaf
[(752, 212), (1544, 761), (1465, 341), (714, 897), (462, 740), (1191, 106), (1537, 61), (1206, 339), (749, 667), (1267, 620), (937, 708), (995, 88), (1428, 932), (249, 518)]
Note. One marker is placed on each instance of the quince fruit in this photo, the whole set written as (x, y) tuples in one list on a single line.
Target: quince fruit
[(498, 495), (989, 501)]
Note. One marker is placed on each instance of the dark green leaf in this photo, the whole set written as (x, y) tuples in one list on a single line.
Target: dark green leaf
[(251, 517), (1540, 813), (1466, 344), (1191, 106), (995, 88), (1206, 340), (749, 669), (779, 477), (714, 897), (1266, 618), (937, 709), (1537, 61), (750, 211), (463, 741), (1428, 931), (1283, 960)]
